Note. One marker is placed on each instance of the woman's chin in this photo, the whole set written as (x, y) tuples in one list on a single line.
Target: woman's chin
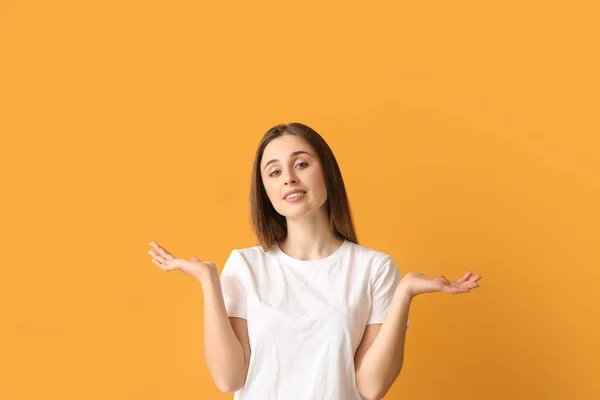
[(300, 212)]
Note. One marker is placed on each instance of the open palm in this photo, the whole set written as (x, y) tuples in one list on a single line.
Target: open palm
[(418, 283)]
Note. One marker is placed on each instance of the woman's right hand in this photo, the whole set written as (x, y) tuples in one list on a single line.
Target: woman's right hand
[(193, 267)]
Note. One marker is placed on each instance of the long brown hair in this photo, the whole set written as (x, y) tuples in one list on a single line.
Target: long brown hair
[(269, 226)]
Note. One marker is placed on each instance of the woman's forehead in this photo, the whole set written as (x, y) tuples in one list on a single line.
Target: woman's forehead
[(284, 147), (287, 143)]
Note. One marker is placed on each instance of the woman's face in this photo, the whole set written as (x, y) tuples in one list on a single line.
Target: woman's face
[(291, 164)]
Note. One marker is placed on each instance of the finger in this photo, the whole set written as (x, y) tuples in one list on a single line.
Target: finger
[(158, 248), (162, 251), (464, 277), (469, 285), (156, 256), (462, 287), (160, 265)]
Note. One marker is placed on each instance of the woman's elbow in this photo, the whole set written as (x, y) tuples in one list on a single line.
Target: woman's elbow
[(372, 396), (373, 389), (229, 383), (227, 378), (229, 386), (370, 392)]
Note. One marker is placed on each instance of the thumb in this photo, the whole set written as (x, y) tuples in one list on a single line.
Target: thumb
[(195, 258)]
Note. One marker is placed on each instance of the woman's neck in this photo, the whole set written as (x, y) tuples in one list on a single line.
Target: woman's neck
[(310, 245)]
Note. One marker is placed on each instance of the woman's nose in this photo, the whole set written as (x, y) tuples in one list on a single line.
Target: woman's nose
[(291, 178)]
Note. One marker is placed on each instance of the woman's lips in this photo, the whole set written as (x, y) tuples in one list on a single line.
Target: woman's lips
[(296, 198)]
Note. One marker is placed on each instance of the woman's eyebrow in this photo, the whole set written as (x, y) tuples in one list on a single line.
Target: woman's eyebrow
[(295, 153)]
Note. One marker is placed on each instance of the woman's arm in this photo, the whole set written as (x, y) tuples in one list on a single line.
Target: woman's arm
[(226, 357), (379, 357)]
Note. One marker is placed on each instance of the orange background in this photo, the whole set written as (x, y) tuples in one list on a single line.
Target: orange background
[(467, 134)]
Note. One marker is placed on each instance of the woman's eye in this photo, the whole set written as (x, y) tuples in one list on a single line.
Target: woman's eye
[(272, 173)]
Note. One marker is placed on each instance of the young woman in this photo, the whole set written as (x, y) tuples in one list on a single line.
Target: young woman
[(308, 314)]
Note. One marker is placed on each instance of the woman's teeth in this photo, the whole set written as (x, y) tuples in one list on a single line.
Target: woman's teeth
[(291, 196)]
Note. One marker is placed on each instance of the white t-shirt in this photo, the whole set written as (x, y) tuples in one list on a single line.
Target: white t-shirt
[(306, 318)]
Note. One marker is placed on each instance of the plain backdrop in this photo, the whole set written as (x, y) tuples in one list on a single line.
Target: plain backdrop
[(466, 131)]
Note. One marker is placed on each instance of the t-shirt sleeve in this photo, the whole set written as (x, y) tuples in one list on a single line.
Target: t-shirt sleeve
[(383, 288), (232, 285)]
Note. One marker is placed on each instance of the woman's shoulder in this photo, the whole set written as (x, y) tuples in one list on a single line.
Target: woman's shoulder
[(252, 250), (251, 254), (369, 253)]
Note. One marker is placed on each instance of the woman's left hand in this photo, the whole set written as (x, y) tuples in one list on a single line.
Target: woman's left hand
[(417, 283)]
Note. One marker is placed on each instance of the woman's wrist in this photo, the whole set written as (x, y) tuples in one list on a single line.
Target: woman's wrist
[(403, 290), (209, 278)]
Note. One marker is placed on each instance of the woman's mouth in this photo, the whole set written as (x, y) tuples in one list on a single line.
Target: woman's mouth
[(295, 197)]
